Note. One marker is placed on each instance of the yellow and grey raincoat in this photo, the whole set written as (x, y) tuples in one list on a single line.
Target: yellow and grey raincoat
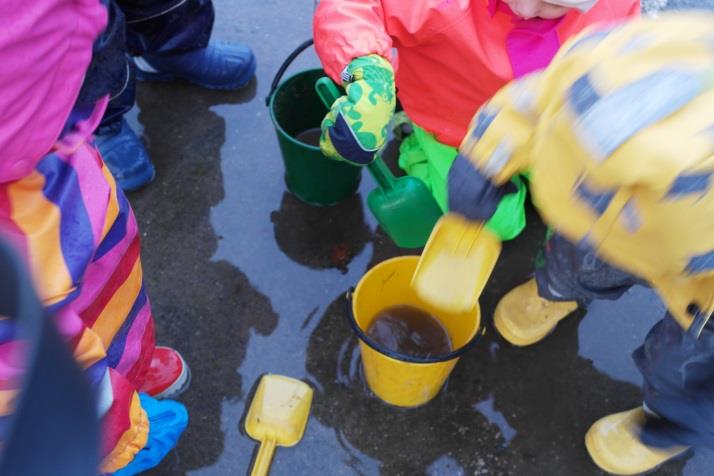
[(618, 136)]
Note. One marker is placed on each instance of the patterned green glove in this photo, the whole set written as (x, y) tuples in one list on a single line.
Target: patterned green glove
[(356, 126)]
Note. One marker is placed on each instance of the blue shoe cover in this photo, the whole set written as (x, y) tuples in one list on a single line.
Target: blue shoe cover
[(167, 421), (220, 65), (126, 157)]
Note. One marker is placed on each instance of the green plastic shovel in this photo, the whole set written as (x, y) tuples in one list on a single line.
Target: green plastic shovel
[(405, 209)]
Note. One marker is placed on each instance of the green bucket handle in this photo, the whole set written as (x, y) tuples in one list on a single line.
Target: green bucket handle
[(329, 93), (281, 71)]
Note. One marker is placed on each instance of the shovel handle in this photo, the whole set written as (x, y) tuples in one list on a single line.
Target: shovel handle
[(327, 90), (261, 466), (329, 93), (381, 174)]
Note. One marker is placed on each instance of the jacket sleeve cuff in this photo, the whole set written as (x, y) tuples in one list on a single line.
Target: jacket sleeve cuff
[(471, 193), (345, 30)]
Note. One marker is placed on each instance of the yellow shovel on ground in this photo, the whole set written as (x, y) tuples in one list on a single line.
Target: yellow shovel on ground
[(277, 416), (456, 263)]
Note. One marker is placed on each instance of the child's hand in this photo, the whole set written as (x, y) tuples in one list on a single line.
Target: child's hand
[(356, 126)]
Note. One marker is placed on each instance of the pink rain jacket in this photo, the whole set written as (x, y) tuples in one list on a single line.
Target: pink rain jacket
[(62, 209), (45, 48), (452, 55)]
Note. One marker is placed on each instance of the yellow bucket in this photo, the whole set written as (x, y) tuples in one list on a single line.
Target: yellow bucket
[(399, 379)]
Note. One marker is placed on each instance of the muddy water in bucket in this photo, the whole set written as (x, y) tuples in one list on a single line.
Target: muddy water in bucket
[(410, 331), (310, 136), (395, 377)]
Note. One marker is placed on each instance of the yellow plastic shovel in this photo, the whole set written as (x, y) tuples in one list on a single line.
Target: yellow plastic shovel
[(456, 263), (277, 416)]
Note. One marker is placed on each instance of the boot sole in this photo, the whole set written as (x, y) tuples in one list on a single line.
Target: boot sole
[(514, 340), (138, 182)]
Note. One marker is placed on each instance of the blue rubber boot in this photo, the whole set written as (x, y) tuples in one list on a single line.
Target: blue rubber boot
[(126, 157), (220, 65), (167, 421)]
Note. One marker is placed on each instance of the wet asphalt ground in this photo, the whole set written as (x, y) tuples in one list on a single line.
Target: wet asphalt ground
[(245, 279)]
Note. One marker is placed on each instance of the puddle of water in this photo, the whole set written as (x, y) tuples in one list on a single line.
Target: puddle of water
[(321, 447), (493, 348), (445, 465), (487, 409), (700, 464), (349, 367), (261, 224), (611, 330)]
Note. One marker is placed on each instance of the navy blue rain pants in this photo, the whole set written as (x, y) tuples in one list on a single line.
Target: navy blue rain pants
[(140, 27), (678, 369)]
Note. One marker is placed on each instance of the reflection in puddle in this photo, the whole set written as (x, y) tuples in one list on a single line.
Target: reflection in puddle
[(355, 459), (445, 465), (349, 366), (298, 289), (321, 447), (488, 410), (320, 237), (279, 253), (493, 350)]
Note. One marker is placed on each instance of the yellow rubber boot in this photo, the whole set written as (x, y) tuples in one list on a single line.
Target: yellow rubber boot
[(614, 445), (524, 318)]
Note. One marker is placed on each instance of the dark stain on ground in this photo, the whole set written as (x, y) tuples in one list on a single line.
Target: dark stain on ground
[(321, 237)]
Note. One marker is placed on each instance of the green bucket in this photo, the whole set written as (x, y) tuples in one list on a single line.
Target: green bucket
[(295, 107)]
